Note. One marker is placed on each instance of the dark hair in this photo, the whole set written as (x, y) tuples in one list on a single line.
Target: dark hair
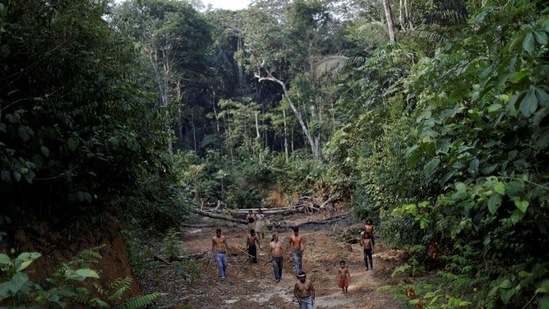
[(252, 231), (218, 231), (295, 228), (369, 221), (342, 262)]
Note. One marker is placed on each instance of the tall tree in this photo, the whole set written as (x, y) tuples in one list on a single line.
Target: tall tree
[(299, 42), (75, 130), (175, 39)]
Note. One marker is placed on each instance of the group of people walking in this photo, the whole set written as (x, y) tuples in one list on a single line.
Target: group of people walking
[(304, 290)]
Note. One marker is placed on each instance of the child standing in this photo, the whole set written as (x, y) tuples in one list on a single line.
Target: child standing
[(343, 277), (366, 243)]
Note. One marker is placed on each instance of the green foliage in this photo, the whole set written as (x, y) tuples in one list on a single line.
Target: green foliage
[(140, 257), (450, 150), (171, 244), (62, 289), (188, 269), (79, 134)]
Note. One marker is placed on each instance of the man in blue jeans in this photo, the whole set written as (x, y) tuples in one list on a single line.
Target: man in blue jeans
[(219, 250), (277, 257), (297, 245), (304, 292)]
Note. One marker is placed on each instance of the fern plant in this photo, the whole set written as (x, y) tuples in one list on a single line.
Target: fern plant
[(62, 289), (171, 244)]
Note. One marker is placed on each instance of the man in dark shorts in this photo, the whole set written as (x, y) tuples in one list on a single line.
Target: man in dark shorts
[(251, 242)]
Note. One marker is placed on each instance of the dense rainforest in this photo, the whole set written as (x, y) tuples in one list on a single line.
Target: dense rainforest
[(429, 117)]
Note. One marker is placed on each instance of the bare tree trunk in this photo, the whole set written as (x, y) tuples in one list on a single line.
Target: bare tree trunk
[(297, 114), (389, 18), (401, 15), (162, 82), (286, 150), (408, 17), (257, 135)]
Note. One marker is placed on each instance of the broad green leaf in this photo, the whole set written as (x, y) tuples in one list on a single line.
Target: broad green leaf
[(506, 284), (25, 259), (543, 303), (518, 76), (541, 37), (447, 177), (493, 203), (461, 187), (516, 216), (4, 260), (542, 96), (500, 188), (23, 133), (5, 175), (72, 143), (17, 282), (494, 107), (16, 175), (82, 274), (474, 164), (45, 151), (529, 104), (528, 44), (488, 170), (544, 288), (522, 205), (540, 115), (410, 151), (511, 107), (86, 272), (543, 139), (506, 295), (431, 167)]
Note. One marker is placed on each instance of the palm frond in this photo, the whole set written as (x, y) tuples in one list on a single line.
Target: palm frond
[(376, 32), (120, 287), (424, 36), (330, 66), (139, 302)]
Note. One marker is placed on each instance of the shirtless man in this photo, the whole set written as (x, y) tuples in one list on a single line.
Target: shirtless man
[(219, 250), (304, 291), (297, 245), (366, 244), (251, 242), (275, 249), (369, 228)]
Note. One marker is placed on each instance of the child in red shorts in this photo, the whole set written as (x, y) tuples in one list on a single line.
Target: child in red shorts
[(343, 277)]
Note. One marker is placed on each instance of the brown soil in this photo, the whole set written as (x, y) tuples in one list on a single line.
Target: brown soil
[(252, 286)]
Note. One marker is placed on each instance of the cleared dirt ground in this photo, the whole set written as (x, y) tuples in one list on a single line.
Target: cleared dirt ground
[(253, 286)]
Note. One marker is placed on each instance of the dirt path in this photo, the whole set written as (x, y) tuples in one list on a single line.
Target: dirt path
[(251, 286)]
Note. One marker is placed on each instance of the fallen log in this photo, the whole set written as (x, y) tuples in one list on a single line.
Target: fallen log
[(196, 256), (284, 225), (217, 216), (271, 211)]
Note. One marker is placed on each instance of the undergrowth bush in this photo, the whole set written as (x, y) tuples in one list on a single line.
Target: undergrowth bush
[(63, 288)]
